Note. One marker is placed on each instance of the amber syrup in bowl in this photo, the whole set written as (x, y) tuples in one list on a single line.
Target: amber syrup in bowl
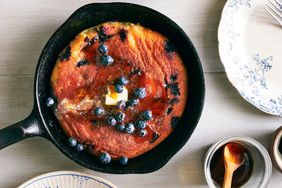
[(255, 171), (240, 176)]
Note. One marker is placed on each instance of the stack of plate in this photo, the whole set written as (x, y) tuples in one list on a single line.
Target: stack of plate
[(67, 179)]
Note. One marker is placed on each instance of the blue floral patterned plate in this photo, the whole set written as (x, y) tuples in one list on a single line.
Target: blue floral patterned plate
[(67, 179), (250, 47)]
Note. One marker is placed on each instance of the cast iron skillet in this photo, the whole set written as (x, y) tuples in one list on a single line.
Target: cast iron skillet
[(42, 122)]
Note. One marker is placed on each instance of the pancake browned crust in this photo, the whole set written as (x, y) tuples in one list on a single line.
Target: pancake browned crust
[(79, 82)]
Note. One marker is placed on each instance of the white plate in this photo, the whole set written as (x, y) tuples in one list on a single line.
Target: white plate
[(250, 48), (67, 179)]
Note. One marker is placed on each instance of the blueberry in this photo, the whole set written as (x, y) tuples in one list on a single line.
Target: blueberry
[(99, 111), (66, 54), (105, 158), (122, 80), (141, 124), (175, 90), (102, 33), (79, 147), (94, 122), (174, 121), (50, 102), (72, 142), (111, 120), (86, 39), (169, 110), (120, 127), (147, 115), (123, 160), (121, 105), (81, 62), (140, 92), (103, 49), (142, 132), (92, 41), (118, 88), (169, 47), (120, 117), (174, 101), (129, 128), (155, 137), (132, 102), (95, 39), (173, 77), (123, 34), (106, 60), (136, 72)]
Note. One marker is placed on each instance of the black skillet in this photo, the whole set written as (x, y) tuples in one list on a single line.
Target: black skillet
[(42, 122)]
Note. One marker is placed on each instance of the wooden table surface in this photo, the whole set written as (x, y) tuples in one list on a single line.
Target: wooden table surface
[(26, 26)]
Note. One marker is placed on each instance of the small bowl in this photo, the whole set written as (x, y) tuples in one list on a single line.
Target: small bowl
[(276, 156), (262, 166)]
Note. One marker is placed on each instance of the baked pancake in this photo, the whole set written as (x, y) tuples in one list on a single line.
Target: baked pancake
[(120, 90)]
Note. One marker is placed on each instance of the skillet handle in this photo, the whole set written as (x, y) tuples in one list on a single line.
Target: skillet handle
[(21, 130)]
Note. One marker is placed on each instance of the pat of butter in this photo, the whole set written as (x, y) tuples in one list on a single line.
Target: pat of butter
[(112, 97)]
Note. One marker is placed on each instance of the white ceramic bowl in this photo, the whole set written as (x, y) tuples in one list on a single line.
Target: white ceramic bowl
[(262, 166), (67, 179)]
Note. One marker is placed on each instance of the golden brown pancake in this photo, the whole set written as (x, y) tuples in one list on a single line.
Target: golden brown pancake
[(80, 83)]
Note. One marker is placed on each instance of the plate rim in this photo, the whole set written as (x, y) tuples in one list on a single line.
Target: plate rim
[(224, 63), (58, 173)]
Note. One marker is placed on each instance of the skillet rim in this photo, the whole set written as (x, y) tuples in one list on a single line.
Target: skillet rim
[(197, 114)]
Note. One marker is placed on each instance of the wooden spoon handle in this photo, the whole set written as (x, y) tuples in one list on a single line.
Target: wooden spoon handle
[(227, 178)]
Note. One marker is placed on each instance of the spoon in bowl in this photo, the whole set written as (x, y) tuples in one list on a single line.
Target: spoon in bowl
[(234, 157)]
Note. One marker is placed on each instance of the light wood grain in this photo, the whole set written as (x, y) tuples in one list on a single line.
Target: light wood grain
[(225, 114), (26, 26)]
